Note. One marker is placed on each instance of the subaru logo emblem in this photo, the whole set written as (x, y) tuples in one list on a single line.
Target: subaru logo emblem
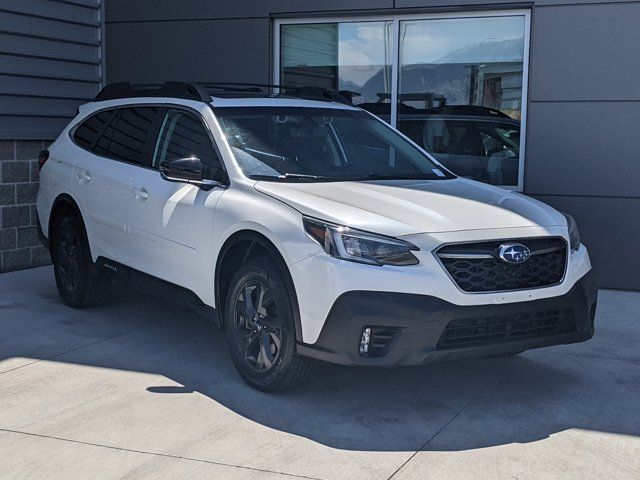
[(514, 253)]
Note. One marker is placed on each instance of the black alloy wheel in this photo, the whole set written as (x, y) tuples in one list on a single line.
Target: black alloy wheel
[(259, 323), (257, 326), (68, 260)]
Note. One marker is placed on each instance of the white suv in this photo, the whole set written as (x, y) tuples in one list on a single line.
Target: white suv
[(307, 229)]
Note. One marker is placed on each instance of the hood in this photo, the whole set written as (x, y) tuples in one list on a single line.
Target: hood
[(405, 207)]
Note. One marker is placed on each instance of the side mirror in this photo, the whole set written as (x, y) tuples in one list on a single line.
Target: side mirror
[(187, 170)]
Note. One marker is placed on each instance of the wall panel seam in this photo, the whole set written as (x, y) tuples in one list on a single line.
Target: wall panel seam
[(52, 39), (588, 101), (168, 20), (587, 4)]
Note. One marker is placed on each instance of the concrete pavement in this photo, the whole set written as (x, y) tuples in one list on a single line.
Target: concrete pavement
[(142, 389)]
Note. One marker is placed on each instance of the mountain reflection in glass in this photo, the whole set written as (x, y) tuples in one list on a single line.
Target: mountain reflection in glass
[(354, 58), (460, 93)]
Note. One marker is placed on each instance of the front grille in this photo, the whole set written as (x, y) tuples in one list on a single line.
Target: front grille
[(490, 330), (477, 267)]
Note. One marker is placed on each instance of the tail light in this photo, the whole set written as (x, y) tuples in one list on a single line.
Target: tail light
[(42, 158)]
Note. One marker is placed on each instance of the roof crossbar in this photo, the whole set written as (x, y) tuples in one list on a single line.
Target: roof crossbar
[(202, 91), (184, 90)]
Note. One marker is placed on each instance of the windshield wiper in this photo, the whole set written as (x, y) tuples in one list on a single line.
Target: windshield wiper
[(375, 176), (296, 177)]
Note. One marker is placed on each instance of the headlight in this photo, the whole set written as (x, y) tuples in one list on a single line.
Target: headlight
[(357, 246), (574, 234)]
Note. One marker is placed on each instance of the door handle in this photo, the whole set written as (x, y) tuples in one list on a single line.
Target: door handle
[(83, 177), (140, 193)]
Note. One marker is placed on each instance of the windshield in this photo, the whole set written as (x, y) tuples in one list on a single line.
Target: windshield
[(313, 144)]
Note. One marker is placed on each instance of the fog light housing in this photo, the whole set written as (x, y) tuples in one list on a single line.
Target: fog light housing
[(364, 341), (376, 341)]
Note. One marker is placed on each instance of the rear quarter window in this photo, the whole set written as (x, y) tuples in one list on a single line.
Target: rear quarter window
[(120, 134), (90, 131)]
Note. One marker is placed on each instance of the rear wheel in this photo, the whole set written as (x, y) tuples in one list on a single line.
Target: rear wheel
[(260, 328), (80, 283)]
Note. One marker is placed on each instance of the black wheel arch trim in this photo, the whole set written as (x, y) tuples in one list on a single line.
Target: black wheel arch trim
[(64, 198), (256, 239)]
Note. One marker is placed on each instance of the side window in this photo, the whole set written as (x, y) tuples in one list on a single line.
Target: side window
[(183, 135), (129, 138), (92, 129)]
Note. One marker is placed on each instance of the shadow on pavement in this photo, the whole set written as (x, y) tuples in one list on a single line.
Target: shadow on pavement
[(482, 402)]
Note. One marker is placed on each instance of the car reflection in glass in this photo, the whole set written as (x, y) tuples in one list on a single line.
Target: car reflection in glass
[(475, 142)]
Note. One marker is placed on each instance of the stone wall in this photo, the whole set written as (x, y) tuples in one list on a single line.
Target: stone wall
[(19, 244)]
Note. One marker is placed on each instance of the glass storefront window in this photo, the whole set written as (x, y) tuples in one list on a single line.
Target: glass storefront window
[(353, 57), (460, 93), (456, 83)]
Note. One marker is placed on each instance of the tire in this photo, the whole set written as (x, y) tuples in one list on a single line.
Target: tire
[(260, 328), (80, 283)]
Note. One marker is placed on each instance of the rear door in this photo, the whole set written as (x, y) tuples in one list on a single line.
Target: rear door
[(172, 223), (117, 145)]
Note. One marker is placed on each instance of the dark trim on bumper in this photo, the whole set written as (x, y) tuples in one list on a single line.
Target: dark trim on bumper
[(418, 321), (43, 240)]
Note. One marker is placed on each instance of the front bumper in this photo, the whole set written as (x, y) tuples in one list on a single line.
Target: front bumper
[(412, 326)]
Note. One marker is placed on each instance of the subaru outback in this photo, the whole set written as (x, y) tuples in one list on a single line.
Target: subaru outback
[(307, 229)]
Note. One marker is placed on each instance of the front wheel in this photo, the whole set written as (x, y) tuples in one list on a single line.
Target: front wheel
[(260, 328)]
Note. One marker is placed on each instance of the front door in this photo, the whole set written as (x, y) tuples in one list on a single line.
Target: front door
[(172, 223)]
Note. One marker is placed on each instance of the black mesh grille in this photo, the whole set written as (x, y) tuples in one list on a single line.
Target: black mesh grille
[(489, 330), (544, 268)]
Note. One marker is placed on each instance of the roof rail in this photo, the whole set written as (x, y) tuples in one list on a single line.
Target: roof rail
[(202, 91), (184, 90)]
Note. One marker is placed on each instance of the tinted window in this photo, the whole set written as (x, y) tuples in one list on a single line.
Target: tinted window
[(88, 133), (183, 135), (128, 139)]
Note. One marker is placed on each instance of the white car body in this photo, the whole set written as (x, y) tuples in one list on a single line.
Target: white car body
[(176, 231)]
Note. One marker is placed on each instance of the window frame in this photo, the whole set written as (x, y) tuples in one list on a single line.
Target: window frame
[(205, 127), (395, 57), (154, 135)]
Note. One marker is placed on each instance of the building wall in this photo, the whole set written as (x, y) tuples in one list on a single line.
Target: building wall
[(50, 63), (584, 98), (19, 244)]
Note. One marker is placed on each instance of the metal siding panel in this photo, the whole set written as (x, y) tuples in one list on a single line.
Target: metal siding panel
[(586, 52), (54, 10), (610, 228), (48, 28), (41, 67), (479, 4), (50, 63), (20, 106), (583, 148), (43, 87), (195, 50), (32, 128), (47, 48)]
